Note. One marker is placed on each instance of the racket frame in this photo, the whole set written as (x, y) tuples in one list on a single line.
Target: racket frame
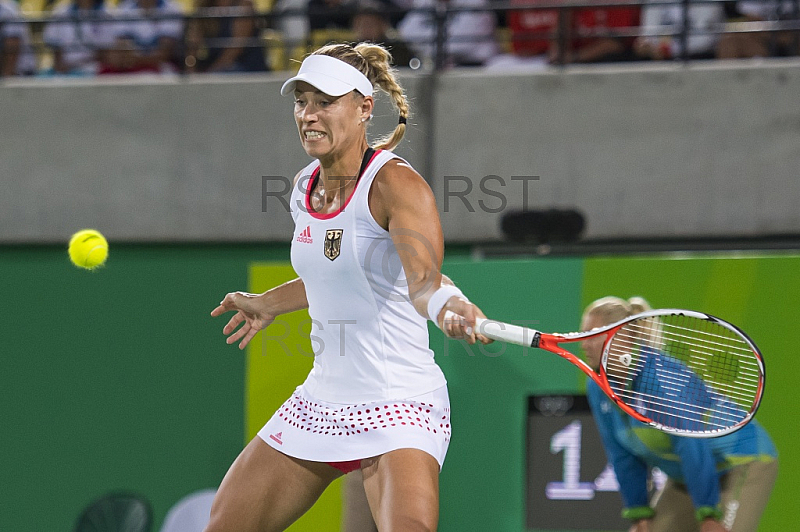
[(528, 337)]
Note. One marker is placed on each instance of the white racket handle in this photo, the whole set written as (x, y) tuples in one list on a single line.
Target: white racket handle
[(505, 332)]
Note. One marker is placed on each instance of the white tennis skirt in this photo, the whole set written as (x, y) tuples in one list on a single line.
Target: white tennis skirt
[(310, 429)]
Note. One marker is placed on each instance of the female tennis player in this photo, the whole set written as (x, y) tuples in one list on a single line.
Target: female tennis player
[(368, 248), (714, 484)]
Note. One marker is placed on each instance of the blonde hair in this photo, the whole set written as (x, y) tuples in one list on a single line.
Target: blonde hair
[(611, 309), (374, 61)]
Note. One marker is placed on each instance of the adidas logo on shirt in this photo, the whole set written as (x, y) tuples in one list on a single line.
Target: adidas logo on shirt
[(305, 236)]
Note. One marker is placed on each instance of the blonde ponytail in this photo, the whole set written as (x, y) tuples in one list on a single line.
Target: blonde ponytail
[(382, 74), (374, 61)]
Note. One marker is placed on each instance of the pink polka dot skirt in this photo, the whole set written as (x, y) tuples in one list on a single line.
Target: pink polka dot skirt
[(310, 429)]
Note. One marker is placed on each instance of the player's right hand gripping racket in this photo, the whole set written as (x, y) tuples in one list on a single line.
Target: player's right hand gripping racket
[(680, 371)]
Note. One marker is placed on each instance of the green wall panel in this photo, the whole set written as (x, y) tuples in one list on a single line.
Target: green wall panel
[(482, 483), (760, 294), (119, 379), (116, 379)]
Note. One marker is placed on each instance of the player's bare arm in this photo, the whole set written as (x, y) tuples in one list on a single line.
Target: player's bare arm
[(403, 203)]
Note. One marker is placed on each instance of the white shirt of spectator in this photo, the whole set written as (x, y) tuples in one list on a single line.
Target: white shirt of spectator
[(79, 40), (146, 33), (702, 17), (13, 26), (765, 9), (470, 34), (293, 28)]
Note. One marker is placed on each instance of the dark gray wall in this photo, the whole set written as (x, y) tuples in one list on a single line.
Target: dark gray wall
[(642, 150)]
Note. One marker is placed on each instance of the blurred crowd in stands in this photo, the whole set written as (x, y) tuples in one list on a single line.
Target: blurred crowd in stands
[(99, 37)]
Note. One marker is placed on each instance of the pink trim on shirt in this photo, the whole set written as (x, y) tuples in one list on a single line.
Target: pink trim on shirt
[(330, 215)]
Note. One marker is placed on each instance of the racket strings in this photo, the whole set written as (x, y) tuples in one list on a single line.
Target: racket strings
[(737, 383), (746, 366), (708, 345), (744, 393), (685, 373), (670, 415), (744, 386), (723, 408), (679, 382), (663, 399)]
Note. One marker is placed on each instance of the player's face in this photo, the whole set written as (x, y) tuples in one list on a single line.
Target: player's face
[(593, 347), (327, 124)]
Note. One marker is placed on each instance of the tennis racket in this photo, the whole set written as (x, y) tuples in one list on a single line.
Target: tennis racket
[(680, 371)]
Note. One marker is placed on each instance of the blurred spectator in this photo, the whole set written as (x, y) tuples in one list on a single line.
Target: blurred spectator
[(324, 14), (337, 14), (78, 44), (761, 44), (469, 35), (531, 29), (292, 22), (702, 17), (535, 33), (298, 18), (586, 42), (371, 24), (330, 14), (149, 44), (225, 44), (16, 56)]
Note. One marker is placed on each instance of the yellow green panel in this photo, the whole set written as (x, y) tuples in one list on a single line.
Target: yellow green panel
[(278, 360), (759, 293)]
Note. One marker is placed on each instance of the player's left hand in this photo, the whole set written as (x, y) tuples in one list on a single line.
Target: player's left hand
[(250, 312)]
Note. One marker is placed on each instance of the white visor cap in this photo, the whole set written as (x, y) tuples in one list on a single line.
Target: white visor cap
[(332, 76)]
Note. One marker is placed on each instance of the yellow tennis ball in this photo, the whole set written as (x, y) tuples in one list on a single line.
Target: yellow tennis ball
[(88, 249)]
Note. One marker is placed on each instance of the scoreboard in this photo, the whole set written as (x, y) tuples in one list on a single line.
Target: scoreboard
[(570, 485)]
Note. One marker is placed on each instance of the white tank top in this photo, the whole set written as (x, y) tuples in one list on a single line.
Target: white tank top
[(370, 343)]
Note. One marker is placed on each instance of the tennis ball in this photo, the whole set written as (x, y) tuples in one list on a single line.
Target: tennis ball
[(88, 249)]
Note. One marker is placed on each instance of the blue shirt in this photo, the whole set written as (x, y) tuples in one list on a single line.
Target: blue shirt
[(633, 448), (661, 387)]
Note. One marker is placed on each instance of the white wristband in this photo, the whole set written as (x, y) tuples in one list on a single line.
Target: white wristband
[(439, 299)]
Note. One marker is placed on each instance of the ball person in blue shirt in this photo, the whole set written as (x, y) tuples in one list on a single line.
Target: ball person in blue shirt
[(713, 484)]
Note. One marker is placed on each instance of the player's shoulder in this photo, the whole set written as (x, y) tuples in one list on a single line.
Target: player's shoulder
[(397, 165), (398, 188), (398, 177)]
